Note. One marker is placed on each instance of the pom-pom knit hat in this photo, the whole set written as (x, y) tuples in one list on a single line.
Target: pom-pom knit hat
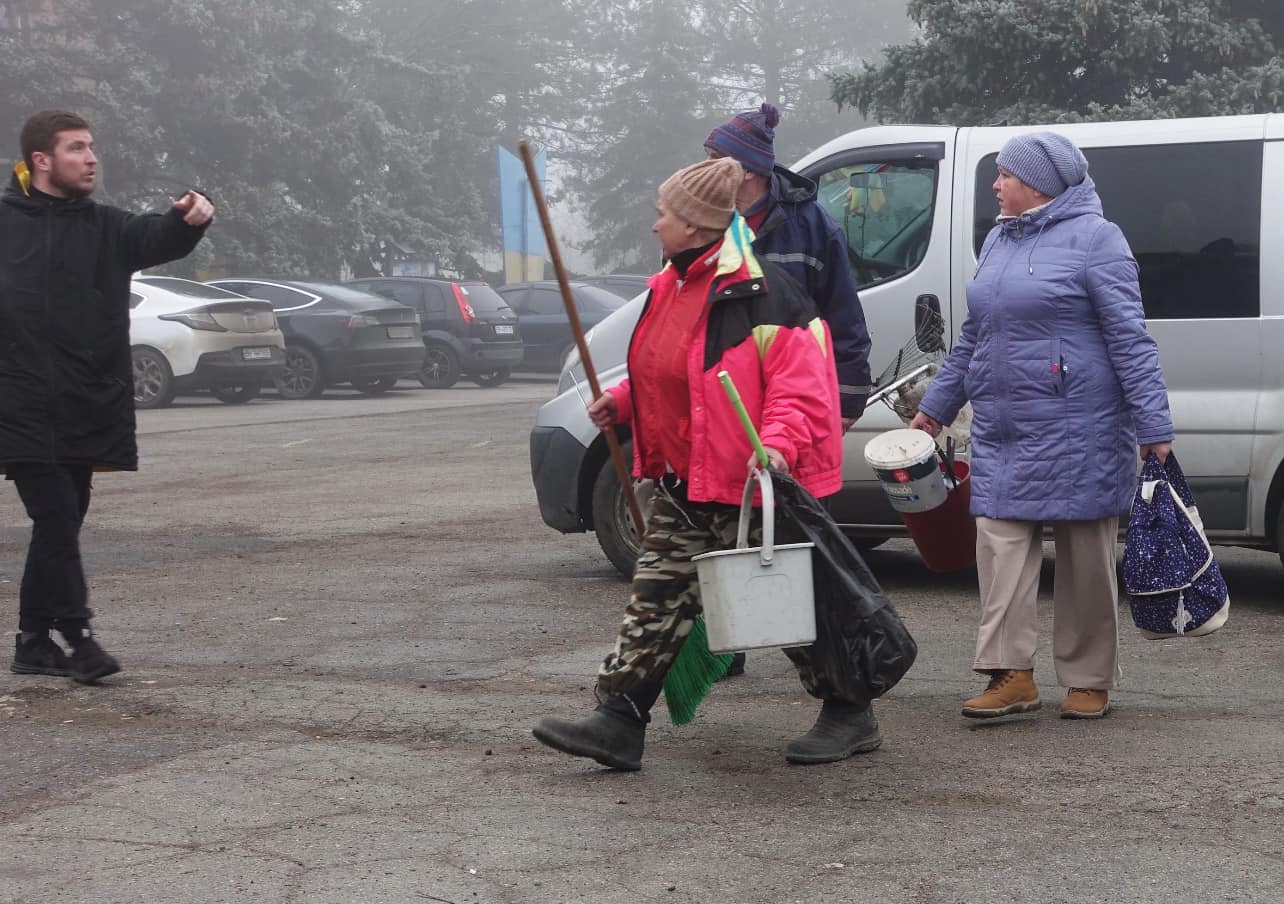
[(749, 138)]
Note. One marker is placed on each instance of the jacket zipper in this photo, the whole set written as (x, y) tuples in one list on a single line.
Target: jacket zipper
[(633, 399), (1004, 425), (49, 336)]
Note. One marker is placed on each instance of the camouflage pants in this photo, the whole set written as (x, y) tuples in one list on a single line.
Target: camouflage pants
[(666, 594)]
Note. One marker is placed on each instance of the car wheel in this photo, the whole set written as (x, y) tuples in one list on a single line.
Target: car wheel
[(494, 378), (302, 377), (374, 385), (441, 367), (153, 379), (616, 532), (236, 393)]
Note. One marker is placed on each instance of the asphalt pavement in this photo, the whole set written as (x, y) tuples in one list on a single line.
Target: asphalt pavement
[(339, 620)]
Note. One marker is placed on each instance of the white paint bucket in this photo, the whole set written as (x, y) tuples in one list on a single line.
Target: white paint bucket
[(906, 465), (757, 596)]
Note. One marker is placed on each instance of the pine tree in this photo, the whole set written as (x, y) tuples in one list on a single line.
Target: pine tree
[(649, 120), (987, 61)]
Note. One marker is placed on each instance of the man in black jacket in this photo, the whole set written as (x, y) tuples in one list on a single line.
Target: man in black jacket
[(66, 373)]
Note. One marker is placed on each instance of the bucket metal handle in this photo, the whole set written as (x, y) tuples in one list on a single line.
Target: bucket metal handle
[(762, 478)]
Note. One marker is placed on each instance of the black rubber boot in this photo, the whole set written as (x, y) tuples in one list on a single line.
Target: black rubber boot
[(840, 731), (611, 735), (737, 666)]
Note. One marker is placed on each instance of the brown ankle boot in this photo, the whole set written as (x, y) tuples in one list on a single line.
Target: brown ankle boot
[(1010, 691), (1085, 703)]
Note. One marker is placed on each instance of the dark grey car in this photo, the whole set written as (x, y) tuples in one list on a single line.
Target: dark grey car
[(467, 328), (335, 334), (546, 328)]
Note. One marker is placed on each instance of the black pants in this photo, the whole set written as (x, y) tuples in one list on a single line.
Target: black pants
[(53, 584)]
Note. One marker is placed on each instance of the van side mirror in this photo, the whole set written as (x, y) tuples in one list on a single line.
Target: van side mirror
[(858, 180), (929, 325)]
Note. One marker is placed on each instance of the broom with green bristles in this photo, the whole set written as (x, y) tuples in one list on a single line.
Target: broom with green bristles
[(697, 669)]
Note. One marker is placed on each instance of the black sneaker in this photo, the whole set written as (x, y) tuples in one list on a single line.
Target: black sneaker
[(41, 656), (89, 662)]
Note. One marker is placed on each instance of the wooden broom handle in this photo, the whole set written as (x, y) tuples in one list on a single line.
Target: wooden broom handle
[(612, 442)]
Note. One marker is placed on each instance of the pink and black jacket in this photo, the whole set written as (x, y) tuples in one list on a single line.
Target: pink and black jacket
[(761, 328)]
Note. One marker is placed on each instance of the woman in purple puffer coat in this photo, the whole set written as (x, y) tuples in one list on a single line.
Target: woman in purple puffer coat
[(1065, 384)]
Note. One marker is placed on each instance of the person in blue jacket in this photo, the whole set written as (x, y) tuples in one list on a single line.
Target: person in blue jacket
[(1065, 384), (793, 231)]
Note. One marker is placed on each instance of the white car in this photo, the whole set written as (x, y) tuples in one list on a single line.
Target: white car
[(186, 335)]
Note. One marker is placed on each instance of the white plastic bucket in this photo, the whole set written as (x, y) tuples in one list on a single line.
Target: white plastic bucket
[(906, 465), (757, 596)]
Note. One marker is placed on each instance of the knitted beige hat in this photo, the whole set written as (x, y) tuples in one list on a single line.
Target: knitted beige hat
[(703, 194)]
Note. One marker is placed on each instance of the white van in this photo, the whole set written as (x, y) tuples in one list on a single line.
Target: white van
[(1197, 200)]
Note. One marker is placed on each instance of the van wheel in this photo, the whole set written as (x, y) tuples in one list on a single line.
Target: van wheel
[(153, 380), (616, 533), (441, 367)]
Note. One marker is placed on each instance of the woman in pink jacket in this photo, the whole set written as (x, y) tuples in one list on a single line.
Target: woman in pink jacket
[(713, 307)]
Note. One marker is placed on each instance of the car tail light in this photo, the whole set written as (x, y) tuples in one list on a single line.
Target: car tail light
[(461, 298), (197, 319), (357, 321)]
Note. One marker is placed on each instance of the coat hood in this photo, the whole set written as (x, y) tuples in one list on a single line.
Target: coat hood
[(1076, 201), (21, 177), (791, 188), (21, 195), (18, 191)]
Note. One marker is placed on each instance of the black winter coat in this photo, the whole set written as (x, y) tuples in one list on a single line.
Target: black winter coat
[(66, 373)]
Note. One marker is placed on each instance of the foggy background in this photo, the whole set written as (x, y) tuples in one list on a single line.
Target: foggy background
[(344, 136)]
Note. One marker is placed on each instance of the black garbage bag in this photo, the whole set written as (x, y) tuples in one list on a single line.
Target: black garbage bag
[(862, 647)]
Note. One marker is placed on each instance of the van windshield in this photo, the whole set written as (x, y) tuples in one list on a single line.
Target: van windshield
[(885, 211)]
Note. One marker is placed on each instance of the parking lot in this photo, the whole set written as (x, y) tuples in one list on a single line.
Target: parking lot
[(339, 619)]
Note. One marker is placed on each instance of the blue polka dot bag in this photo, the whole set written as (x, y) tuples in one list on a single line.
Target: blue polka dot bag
[(1174, 586)]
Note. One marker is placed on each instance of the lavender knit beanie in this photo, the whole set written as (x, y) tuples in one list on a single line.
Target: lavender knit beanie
[(748, 138), (1046, 161)]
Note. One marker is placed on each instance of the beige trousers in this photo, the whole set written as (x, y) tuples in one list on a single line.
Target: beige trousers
[(1085, 637)]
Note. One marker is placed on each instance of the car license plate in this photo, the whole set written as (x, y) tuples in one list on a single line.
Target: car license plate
[(401, 332), (255, 354), (504, 329)]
